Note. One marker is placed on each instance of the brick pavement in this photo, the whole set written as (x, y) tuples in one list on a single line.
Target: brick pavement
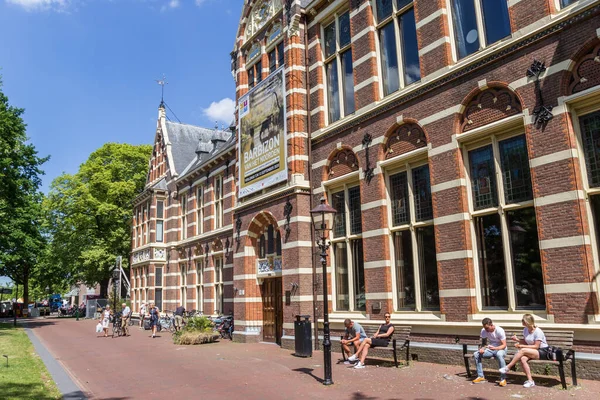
[(139, 367)]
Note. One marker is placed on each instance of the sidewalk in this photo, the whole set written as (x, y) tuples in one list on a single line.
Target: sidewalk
[(139, 367)]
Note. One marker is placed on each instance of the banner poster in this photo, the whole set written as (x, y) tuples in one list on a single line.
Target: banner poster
[(262, 143)]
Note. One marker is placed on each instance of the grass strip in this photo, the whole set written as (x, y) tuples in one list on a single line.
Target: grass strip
[(26, 376)]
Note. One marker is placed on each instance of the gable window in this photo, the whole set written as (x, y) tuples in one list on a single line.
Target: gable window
[(218, 182), (399, 52), (183, 201), (413, 239), (504, 222), (479, 23), (254, 68), (159, 221), (199, 211), (338, 67), (276, 57), (347, 245)]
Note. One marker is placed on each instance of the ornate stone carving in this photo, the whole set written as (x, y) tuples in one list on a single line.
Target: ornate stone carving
[(160, 254), (586, 73), (489, 106), (343, 163), (407, 137), (261, 13)]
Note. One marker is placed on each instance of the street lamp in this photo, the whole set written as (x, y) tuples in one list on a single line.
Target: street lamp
[(115, 275), (322, 216)]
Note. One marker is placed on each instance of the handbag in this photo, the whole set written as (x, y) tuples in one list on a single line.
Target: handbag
[(554, 353), (99, 328)]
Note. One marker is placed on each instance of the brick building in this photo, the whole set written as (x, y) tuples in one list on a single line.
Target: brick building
[(458, 140)]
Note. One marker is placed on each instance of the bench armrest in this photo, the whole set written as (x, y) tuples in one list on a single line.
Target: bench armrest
[(570, 354)]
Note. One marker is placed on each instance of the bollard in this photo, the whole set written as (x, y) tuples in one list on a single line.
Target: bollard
[(5, 356), (77, 314)]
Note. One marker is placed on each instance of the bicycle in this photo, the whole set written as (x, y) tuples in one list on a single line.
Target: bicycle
[(117, 330), (167, 322)]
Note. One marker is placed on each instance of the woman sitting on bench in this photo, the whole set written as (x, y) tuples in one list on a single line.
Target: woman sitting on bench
[(381, 339), (532, 347)]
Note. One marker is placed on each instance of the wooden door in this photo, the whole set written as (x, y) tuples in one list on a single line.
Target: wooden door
[(272, 310)]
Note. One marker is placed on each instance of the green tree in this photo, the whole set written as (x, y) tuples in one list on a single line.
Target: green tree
[(21, 241), (88, 215)]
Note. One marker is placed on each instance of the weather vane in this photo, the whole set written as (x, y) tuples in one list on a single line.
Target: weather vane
[(162, 82)]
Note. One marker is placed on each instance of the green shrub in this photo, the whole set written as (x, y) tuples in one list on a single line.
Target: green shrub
[(194, 337), (201, 324)]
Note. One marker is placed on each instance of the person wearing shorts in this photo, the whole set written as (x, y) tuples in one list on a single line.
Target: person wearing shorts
[(354, 335), (381, 339), (153, 318), (179, 317)]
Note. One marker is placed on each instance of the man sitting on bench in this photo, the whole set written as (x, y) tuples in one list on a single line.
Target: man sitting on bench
[(494, 345), (381, 339), (354, 335)]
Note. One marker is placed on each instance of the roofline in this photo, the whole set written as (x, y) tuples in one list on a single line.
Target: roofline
[(203, 165)]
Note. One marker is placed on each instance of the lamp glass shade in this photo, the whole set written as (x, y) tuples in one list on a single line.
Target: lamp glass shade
[(322, 217)]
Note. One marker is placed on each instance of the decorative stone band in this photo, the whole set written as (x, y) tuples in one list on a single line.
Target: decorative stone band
[(441, 41), (377, 264), (379, 296), (431, 17), (247, 300), (469, 292), (580, 240), (581, 287), (559, 198), (454, 255)]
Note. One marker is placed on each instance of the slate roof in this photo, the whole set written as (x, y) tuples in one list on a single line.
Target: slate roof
[(160, 185), (184, 139), (220, 142)]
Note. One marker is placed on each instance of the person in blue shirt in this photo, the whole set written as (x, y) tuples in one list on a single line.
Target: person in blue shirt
[(353, 335)]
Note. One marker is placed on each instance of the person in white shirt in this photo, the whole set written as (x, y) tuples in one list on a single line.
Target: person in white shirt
[(142, 315), (494, 346), (533, 346), (125, 315)]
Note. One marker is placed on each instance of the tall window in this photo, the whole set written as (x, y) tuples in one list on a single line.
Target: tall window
[(414, 239), (276, 57), (398, 44), (510, 270), (160, 221), (200, 285), (158, 287), (139, 231), (218, 182), (590, 135), (183, 200), (183, 283), (145, 225), (253, 68), (479, 23), (219, 285), (348, 251), (199, 210), (338, 66)]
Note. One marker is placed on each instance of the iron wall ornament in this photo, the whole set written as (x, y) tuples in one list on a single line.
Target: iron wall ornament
[(287, 212), (542, 113), (227, 167), (238, 226), (369, 172)]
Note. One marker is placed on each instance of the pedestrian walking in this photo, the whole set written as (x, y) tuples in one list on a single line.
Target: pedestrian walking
[(125, 317), (142, 315), (105, 317), (153, 318)]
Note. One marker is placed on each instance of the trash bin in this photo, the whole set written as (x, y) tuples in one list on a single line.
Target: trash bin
[(303, 336)]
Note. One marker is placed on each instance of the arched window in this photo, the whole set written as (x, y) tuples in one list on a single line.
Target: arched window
[(269, 251)]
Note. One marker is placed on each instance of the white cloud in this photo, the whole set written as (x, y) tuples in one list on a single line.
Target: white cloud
[(220, 111), (200, 2), (172, 4), (36, 5)]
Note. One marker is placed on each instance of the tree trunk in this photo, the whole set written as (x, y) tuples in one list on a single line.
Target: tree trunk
[(104, 289), (26, 286)]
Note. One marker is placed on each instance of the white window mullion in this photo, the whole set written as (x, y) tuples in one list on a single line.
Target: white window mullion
[(480, 24), (413, 238), (399, 53)]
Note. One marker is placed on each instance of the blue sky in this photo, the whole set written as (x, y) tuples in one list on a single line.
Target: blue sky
[(85, 70)]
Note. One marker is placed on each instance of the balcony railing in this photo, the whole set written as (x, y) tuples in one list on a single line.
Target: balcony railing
[(149, 254), (268, 266)]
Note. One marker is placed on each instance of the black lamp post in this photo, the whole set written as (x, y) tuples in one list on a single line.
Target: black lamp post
[(321, 214), (115, 275)]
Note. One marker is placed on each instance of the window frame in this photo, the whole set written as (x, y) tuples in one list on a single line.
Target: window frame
[(161, 220), (218, 201), (183, 282), (493, 138), (200, 285), (347, 239), (200, 210), (480, 22), (337, 56), (183, 215), (218, 284), (394, 18), (273, 47), (157, 287), (408, 166)]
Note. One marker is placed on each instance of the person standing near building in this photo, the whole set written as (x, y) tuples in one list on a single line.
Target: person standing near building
[(179, 313), (125, 316), (142, 315), (494, 346), (153, 318), (105, 318)]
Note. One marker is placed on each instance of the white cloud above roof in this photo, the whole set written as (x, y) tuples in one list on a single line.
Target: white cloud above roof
[(221, 111)]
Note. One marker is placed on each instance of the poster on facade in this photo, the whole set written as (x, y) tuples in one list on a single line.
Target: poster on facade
[(262, 129)]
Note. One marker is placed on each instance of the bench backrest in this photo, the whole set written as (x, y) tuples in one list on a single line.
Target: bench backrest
[(562, 339), (401, 333)]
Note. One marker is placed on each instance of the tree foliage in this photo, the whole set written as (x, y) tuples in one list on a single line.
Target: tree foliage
[(88, 215), (21, 241)]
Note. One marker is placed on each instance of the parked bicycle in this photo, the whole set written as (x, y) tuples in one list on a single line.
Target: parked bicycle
[(167, 322), (117, 330)]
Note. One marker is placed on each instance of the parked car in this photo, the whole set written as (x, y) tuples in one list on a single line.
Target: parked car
[(43, 307)]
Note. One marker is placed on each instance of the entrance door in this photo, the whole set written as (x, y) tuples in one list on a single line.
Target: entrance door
[(272, 310)]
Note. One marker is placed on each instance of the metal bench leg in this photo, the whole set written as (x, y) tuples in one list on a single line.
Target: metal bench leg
[(468, 368), (561, 371), (395, 358), (573, 370), (408, 352)]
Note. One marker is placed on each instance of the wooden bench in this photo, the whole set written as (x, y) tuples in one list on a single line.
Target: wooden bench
[(562, 339), (399, 340)]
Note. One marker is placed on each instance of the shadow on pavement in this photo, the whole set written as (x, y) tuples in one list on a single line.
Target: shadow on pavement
[(78, 395), (309, 372), (513, 379)]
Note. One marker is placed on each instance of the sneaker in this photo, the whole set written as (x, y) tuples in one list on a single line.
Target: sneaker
[(529, 384), (479, 379), (359, 365), (348, 362), (503, 370), (502, 383), (352, 358)]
